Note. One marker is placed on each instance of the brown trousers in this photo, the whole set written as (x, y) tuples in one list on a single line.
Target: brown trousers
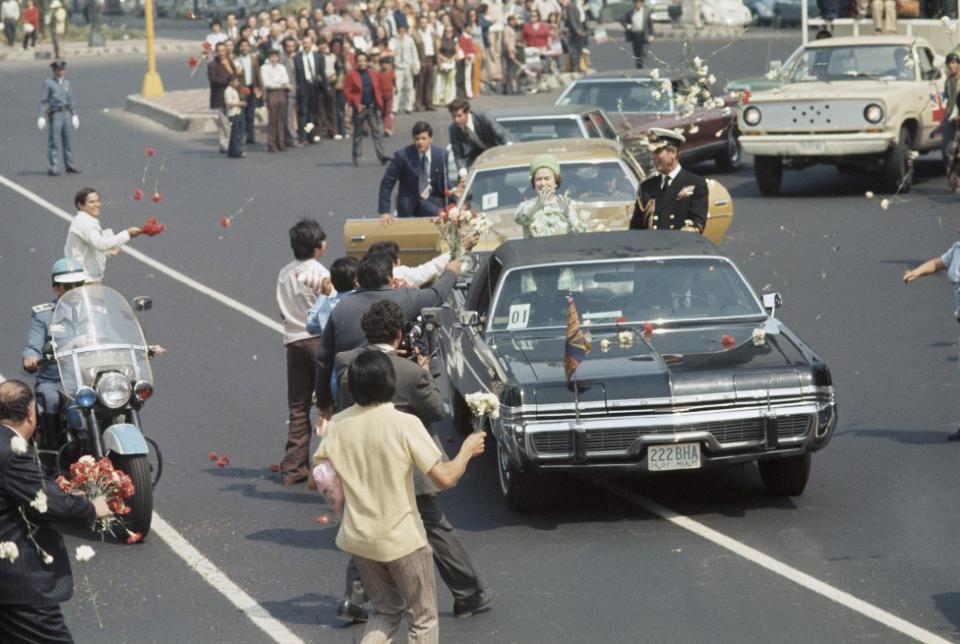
[(424, 84), (406, 585), (276, 119), (301, 376)]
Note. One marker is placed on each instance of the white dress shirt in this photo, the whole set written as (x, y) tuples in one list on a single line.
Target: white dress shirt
[(308, 65), (215, 39), (274, 76), (636, 24), (426, 37), (295, 297), (247, 64), (89, 243), (668, 179), (425, 273)]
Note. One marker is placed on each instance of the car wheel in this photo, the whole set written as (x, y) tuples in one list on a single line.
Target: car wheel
[(520, 490), (729, 157), (898, 170), (769, 173), (786, 476)]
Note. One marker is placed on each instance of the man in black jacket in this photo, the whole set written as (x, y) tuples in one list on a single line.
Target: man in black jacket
[(421, 171), (471, 133), (219, 71), (638, 27), (308, 65), (674, 198), (35, 577)]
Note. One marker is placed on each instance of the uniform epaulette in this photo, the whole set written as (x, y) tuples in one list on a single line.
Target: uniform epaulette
[(40, 308)]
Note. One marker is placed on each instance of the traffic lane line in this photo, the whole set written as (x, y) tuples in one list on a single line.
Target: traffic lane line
[(777, 567)]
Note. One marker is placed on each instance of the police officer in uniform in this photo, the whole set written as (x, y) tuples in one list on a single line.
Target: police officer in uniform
[(673, 198), (67, 274), (58, 110)]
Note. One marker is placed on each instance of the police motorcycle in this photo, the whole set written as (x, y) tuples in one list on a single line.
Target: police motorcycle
[(104, 366)]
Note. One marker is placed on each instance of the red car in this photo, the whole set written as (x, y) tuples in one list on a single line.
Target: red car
[(635, 101)]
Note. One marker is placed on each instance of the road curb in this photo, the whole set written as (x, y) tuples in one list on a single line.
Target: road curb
[(200, 123), (68, 52)]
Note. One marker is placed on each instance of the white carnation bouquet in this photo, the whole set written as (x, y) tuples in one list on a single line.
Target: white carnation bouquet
[(458, 224), (481, 406)]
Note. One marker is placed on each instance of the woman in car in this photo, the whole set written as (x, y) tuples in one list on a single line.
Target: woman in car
[(548, 213)]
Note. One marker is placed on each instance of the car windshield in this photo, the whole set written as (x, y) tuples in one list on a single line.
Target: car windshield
[(522, 130), (630, 291), (585, 182), (866, 62), (621, 95)]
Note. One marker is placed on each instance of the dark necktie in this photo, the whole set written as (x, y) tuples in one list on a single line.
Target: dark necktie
[(424, 178), (665, 183)]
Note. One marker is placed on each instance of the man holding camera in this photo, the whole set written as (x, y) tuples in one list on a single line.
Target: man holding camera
[(416, 393)]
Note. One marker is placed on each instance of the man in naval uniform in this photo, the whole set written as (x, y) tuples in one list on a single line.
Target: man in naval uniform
[(673, 198), (59, 111)]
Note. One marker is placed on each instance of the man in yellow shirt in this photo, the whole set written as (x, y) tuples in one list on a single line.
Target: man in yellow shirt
[(373, 448)]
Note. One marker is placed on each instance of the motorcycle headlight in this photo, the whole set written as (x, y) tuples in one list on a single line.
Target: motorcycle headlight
[(751, 116), (873, 113), (114, 390), (86, 396)]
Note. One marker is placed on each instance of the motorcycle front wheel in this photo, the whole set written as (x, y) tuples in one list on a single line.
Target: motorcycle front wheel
[(137, 467)]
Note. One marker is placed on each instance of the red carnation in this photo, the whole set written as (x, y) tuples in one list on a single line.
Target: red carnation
[(621, 320), (648, 330), (213, 456), (225, 221), (151, 227), (137, 194), (156, 197), (727, 341), (244, 91), (189, 15), (323, 518), (274, 467), (136, 537), (206, 46), (192, 61), (64, 484), (223, 461), (150, 151)]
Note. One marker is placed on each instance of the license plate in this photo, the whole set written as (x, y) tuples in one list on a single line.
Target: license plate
[(682, 456), (812, 147)]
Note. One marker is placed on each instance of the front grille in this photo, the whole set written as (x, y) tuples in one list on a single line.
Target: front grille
[(620, 439)]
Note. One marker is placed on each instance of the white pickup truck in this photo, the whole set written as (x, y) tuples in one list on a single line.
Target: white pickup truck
[(867, 103)]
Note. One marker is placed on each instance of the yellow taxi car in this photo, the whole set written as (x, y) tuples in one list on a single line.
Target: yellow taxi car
[(597, 173)]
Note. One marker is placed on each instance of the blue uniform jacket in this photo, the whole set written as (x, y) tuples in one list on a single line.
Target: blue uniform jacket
[(57, 96), (37, 336)]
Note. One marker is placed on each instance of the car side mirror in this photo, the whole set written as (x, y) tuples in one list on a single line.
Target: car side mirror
[(774, 66), (469, 318), (772, 301), (142, 303)]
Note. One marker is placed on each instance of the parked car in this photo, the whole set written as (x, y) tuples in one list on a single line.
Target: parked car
[(727, 13), (598, 173), (761, 10), (636, 102), (538, 122), (862, 104), (787, 13), (688, 369)]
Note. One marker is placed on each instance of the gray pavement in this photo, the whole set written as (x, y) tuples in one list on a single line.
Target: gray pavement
[(877, 519)]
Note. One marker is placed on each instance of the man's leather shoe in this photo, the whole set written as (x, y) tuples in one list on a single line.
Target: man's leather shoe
[(347, 611), (955, 436), (73, 170), (479, 603)]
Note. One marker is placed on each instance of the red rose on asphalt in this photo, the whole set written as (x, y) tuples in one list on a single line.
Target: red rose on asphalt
[(156, 197), (225, 459), (150, 151), (137, 194), (225, 222), (136, 537), (192, 61), (727, 341), (213, 456), (274, 467)]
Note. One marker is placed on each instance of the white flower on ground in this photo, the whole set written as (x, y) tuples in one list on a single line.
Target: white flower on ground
[(868, 194), (655, 74), (9, 551), (884, 204), (759, 337), (85, 553), (18, 445), (40, 502)]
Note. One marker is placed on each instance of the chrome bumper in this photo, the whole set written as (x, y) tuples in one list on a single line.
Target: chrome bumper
[(620, 443), (817, 145)]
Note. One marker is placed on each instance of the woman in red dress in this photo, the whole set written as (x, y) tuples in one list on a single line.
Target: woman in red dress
[(31, 23), (535, 33)]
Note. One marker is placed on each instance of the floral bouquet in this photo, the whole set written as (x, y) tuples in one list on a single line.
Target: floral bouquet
[(329, 485), (93, 479), (456, 225), (482, 405)]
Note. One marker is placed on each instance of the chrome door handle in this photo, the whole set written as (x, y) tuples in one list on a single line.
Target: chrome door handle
[(358, 238)]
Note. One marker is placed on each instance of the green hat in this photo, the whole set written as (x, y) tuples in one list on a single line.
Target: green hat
[(544, 161)]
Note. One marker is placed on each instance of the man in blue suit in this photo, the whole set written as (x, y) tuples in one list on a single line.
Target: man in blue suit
[(420, 170)]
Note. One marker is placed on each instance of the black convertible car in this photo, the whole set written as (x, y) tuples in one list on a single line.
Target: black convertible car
[(688, 368)]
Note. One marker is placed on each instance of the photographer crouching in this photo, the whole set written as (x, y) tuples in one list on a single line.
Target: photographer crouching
[(416, 393)]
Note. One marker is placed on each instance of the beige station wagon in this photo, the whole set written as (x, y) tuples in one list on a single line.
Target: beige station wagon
[(867, 103), (597, 173)]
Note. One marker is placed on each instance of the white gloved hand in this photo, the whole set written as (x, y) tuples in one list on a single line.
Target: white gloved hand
[(41, 123), (75, 121)]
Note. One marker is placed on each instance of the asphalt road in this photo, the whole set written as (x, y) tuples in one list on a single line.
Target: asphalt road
[(878, 519)]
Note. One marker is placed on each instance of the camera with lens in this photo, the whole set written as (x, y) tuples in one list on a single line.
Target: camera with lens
[(412, 341)]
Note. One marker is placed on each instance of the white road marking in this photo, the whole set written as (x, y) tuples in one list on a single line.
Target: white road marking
[(778, 567), (213, 576), (226, 300)]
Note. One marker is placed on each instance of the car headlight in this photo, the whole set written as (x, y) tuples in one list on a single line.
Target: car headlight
[(751, 116), (114, 390), (873, 113)]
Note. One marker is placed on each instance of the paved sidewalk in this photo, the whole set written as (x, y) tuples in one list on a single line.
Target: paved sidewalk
[(666, 31), (77, 49)]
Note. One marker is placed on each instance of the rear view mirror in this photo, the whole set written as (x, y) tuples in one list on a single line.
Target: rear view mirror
[(772, 301), (142, 303)]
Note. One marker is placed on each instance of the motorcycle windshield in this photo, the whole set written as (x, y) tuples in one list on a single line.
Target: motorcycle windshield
[(95, 331)]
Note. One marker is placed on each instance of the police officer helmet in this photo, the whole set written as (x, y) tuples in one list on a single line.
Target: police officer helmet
[(68, 270)]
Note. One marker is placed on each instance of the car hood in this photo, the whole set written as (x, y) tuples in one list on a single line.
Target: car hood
[(674, 362), (864, 89)]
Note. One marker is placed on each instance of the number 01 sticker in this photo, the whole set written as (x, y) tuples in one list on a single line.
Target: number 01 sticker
[(519, 316)]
